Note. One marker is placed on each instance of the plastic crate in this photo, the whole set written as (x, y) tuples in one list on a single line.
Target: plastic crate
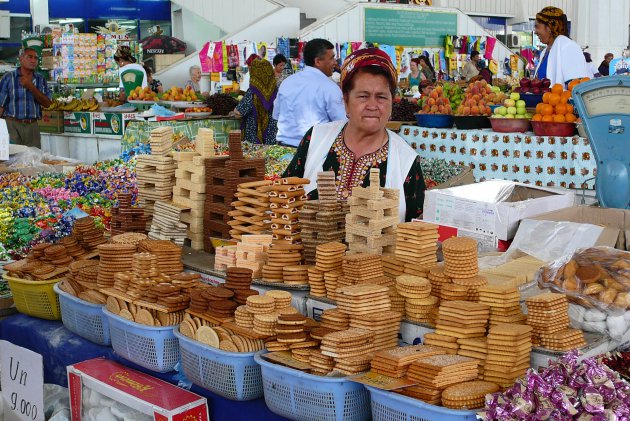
[(154, 348), (389, 406), (85, 319), (35, 298), (300, 396), (233, 375)]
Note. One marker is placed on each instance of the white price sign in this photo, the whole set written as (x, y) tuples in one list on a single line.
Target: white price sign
[(22, 377)]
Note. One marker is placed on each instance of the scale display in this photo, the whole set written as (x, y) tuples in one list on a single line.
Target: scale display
[(604, 107)]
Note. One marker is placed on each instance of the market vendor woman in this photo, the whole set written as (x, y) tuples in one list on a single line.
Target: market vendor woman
[(352, 147)]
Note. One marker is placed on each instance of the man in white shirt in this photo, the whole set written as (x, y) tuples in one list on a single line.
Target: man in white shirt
[(308, 97)]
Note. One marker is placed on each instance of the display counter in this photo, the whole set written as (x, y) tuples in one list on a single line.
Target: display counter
[(87, 148), (541, 160)]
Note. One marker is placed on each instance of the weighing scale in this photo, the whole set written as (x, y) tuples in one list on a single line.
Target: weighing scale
[(604, 106)]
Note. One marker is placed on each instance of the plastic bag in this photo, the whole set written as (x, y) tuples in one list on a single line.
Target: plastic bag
[(37, 161), (596, 277)]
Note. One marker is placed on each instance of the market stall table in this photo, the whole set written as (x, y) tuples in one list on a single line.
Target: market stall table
[(59, 348), (541, 160)]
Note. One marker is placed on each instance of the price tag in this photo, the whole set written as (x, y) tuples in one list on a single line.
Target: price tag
[(22, 377)]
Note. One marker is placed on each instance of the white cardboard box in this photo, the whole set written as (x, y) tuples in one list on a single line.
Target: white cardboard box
[(157, 399), (492, 208)]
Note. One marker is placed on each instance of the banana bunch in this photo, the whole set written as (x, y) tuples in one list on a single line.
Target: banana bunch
[(74, 104)]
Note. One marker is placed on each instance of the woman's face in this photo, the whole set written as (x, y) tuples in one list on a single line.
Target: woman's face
[(543, 32), (195, 75), (369, 103), (413, 66), (278, 68), (423, 64)]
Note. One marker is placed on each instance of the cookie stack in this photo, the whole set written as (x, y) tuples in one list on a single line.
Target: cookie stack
[(251, 206), (282, 299), (331, 282), (363, 268), (371, 223), (187, 281), (286, 197), (397, 300), (243, 318), (335, 319), (504, 303), (251, 252), (220, 302), (168, 254), (438, 279), (548, 315), (113, 258), (166, 224), (86, 233), (509, 348), (290, 329), (198, 300), (224, 257), (82, 274), (73, 248), (239, 281), (122, 280), (260, 304), (462, 319), (467, 395), (416, 243), (472, 284), (418, 299), (350, 348), (265, 324), (447, 343), (395, 362), (320, 364), (474, 348), (316, 282), (330, 256), (169, 296), (279, 256), (125, 218), (454, 292), (129, 238), (57, 255), (437, 372), (144, 265), (384, 324), (296, 274), (363, 299), (392, 266)]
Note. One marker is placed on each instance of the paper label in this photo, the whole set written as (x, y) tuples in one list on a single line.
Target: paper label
[(22, 378)]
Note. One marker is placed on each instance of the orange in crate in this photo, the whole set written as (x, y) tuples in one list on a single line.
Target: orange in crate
[(547, 118), (557, 89), (559, 118)]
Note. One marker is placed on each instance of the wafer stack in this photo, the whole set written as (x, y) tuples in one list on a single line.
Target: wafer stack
[(395, 362), (279, 256), (416, 243), (467, 395), (204, 142), (462, 319), (363, 268), (548, 315), (385, 325), (397, 300), (168, 254), (166, 224), (189, 195), (225, 257), (86, 233), (437, 372), (251, 252), (126, 218), (509, 348), (113, 258), (374, 214), (251, 216), (474, 348), (161, 140), (504, 303), (155, 176), (363, 299), (418, 300), (286, 197)]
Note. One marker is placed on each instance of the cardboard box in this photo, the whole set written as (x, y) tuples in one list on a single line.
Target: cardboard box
[(497, 215), (615, 221), (111, 123), (51, 122), (139, 391), (77, 122)]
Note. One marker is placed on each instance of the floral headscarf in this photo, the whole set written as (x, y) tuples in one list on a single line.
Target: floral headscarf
[(555, 19), (262, 83), (367, 57)]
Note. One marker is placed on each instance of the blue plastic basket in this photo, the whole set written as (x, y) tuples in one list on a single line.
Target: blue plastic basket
[(300, 396), (233, 375), (85, 319), (436, 121), (154, 348), (389, 406)]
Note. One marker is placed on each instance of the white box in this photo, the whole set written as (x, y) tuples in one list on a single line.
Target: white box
[(492, 208), (115, 383)]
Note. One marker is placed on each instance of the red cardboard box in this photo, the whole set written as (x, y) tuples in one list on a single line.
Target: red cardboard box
[(136, 390)]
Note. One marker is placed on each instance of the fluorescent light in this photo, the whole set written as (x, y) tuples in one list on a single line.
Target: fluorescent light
[(72, 20)]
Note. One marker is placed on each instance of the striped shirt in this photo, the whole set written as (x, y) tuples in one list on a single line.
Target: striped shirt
[(17, 101)]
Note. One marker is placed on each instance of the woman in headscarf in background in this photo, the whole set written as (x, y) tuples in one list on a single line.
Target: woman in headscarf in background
[(352, 147), (562, 60), (256, 107)]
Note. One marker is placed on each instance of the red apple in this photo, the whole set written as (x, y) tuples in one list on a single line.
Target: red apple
[(546, 83), (536, 83), (524, 82)]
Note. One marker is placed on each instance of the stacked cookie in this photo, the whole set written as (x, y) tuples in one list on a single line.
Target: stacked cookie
[(129, 238), (224, 257), (504, 303), (168, 254), (221, 304), (392, 266), (438, 279), (447, 343), (363, 268), (437, 372), (350, 348), (126, 218), (509, 348), (363, 299), (335, 319), (454, 292), (418, 299), (328, 269), (474, 348), (81, 276), (331, 283), (251, 206), (219, 337), (286, 197), (86, 233), (394, 362), (320, 364), (467, 395), (316, 282), (279, 256), (371, 223), (167, 295), (251, 252), (416, 243), (290, 329), (166, 223), (113, 258), (384, 324), (462, 319), (239, 281), (296, 274), (548, 315)]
